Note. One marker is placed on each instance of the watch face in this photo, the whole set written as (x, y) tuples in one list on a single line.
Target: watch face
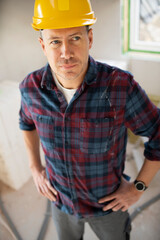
[(140, 186)]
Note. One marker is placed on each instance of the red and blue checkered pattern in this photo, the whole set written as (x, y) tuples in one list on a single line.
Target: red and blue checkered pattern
[(85, 142)]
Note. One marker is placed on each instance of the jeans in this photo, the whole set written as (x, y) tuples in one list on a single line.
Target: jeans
[(114, 226)]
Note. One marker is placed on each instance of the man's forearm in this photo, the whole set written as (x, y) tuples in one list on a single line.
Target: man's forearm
[(31, 139), (43, 185), (148, 171)]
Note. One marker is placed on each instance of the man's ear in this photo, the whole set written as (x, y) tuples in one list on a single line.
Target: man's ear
[(90, 37), (42, 45)]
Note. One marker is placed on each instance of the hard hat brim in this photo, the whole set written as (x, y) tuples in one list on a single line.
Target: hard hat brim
[(68, 23)]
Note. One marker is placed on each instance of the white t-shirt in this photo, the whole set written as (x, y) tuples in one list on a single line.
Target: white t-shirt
[(68, 93)]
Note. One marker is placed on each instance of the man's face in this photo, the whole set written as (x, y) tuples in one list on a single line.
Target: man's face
[(67, 51)]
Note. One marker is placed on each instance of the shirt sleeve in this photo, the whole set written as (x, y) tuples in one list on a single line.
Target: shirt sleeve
[(142, 117), (25, 119)]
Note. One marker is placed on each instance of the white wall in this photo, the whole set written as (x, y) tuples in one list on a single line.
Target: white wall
[(107, 29), (147, 73), (20, 52)]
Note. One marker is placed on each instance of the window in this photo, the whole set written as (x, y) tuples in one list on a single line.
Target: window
[(141, 26)]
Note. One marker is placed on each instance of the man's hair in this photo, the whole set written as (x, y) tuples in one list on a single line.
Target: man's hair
[(41, 30), (40, 33), (87, 27)]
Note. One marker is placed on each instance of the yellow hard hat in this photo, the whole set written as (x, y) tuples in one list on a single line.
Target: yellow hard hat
[(56, 14)]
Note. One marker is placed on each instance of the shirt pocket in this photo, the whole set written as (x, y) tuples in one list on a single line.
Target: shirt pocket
[(95, 135), (45, 128)]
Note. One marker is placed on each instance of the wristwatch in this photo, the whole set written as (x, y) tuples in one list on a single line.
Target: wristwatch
[(140, 186)]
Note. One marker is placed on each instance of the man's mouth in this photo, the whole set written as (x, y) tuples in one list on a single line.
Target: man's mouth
[(68, 66)]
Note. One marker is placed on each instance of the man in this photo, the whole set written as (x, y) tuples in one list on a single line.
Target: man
[(81, 110)]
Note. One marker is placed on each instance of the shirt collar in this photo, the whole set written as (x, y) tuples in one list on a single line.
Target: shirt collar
[(47, 78), (90, 77)]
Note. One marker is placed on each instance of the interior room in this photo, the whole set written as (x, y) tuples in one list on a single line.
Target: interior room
[(22, 208)]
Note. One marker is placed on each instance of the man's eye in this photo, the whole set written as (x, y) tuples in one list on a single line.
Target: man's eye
[(55, 42), (76, 38)]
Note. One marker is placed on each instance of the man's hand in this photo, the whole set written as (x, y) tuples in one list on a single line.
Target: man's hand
[(125, 196), (43, 185)]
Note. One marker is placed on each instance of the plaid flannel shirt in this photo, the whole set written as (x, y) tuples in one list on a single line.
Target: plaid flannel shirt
[(85, 142)]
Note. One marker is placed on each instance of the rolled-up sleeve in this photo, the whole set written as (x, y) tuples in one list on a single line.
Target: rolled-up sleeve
[(25, 119), (142, 117)]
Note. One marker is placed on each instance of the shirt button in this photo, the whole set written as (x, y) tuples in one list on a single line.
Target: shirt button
[(40, 118)]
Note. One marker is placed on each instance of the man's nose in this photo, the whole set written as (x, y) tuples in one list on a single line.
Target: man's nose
[(66, 51)]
